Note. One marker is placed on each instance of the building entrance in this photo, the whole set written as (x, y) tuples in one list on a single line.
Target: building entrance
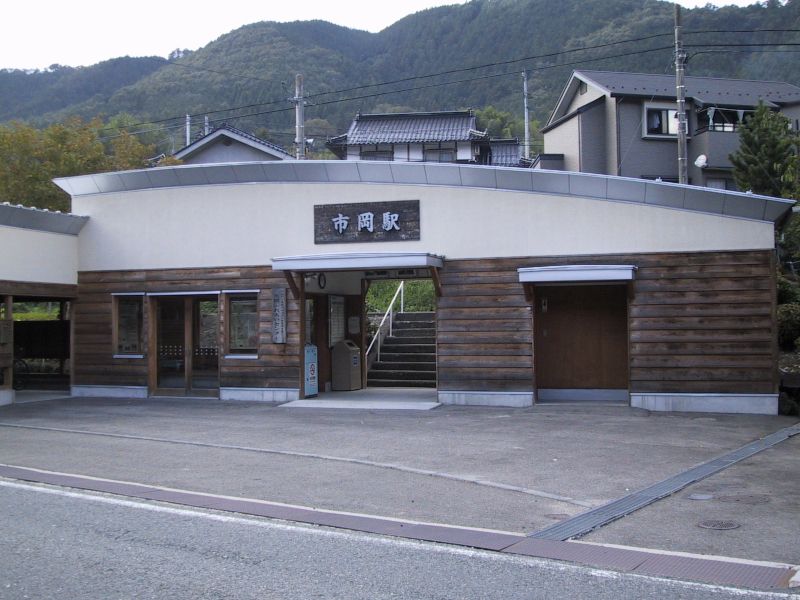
[(581, 343), (187, 342)]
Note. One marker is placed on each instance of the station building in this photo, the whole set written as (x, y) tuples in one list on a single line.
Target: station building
[(210, 279)]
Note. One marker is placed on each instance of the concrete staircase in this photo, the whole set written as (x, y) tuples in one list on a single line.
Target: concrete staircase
[(408, 357)]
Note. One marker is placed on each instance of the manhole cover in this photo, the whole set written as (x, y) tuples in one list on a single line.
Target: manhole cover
[(752, 499), (717, 524), (557, 516), (700, 496)]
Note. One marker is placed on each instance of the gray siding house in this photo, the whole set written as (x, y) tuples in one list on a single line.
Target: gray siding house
[(625, 124)]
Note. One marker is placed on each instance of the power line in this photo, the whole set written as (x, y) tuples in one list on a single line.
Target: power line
[(466, 80), (384, 83)]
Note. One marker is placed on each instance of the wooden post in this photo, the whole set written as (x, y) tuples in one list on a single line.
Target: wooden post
[(363, 311), (300, 297), (8, 372)]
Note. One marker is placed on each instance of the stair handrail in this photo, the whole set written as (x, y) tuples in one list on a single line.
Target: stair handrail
[(390, 315)]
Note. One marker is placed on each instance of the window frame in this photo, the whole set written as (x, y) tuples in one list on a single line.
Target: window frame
[(232, 296), (666, 107), (116, 299)]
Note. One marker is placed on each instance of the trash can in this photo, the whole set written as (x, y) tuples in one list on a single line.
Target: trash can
[(346, 366)]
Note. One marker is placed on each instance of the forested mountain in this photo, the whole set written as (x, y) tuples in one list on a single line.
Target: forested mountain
[(28, 95), (253, 67)]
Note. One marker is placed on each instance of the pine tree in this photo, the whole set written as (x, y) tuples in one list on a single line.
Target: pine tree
[(766, 150)]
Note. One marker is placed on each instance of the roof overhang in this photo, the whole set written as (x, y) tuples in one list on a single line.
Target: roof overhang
[(38, 219), (356, 261), (576, 273), (211, 138)]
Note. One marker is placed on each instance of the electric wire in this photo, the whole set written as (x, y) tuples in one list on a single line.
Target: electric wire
[(441, 73), (457, 81)]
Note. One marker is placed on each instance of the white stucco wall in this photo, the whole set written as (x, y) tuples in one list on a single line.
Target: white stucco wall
[(248, 224), (37, 256), (565, 139)]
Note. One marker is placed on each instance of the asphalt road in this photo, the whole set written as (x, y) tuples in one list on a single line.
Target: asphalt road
[(424, 465), (62, 544)]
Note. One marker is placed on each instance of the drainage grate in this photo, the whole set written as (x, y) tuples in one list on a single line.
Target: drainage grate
[(602, 515), (719, 525)]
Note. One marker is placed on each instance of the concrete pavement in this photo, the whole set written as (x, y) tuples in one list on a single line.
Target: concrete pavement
[(515, 470)]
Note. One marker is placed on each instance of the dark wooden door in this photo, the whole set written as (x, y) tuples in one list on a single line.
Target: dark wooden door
[(581, 337)]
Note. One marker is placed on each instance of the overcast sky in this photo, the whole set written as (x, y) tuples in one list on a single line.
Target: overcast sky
[(84, 32)]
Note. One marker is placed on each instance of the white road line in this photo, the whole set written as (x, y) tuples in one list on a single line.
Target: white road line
[(381, 540), (356, 461)]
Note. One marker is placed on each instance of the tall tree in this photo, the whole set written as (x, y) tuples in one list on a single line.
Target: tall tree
[(30, 158), (766, 150)]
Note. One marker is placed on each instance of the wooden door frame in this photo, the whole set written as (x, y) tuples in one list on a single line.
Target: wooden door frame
[(189, 340), (532, 294)]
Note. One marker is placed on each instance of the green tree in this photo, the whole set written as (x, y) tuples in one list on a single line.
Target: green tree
[(767, 148), (499, 123), (30, 158)]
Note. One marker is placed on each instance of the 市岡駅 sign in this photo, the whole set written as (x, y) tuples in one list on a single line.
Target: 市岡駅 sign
[(395, 221)]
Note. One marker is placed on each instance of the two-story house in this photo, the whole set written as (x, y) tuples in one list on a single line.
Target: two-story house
[(625, 124), (443, 136)]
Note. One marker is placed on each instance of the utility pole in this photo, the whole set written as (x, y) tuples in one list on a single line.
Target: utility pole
[(680, 87), (299, 117), (527, 149), (188, 130)]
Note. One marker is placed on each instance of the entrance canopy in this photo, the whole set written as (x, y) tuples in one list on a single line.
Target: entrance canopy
[(356, 261), (576, 273)]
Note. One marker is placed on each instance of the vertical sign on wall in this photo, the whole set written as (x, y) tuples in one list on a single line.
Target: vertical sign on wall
[(279, 315)]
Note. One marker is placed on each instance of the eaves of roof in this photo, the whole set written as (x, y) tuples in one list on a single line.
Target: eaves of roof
[(594, 187), (25, 217), (577, 111)]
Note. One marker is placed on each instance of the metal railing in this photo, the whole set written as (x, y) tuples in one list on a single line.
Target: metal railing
[(380, 334)]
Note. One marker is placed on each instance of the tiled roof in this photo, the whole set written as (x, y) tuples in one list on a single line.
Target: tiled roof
[(505, 152), (401, 128), (705, 90)]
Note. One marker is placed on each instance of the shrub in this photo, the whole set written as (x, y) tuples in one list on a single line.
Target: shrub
[(788, 325), (788, 291)]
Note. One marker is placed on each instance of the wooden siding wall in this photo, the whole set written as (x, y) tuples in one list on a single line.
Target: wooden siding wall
[(698, 322), (484, 327), (278, 365)]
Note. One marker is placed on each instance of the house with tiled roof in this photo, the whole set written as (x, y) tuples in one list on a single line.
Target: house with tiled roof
[(443, 136), (626, 124), (227, 144)]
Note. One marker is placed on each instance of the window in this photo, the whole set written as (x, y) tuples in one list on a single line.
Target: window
[(442, 156), (336, 320), (661, 121), (377, 155), (242, 324), (721, 119), (128, 311)]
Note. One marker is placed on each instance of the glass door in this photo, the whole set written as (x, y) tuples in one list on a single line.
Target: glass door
[(171, 336), (205, 347), (187, 334)]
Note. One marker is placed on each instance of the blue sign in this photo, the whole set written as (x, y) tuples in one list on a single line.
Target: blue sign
[(311, 371)]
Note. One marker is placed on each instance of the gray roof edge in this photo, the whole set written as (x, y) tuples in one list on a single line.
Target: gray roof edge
[(587, 185), (261, 145), (36, 219)]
